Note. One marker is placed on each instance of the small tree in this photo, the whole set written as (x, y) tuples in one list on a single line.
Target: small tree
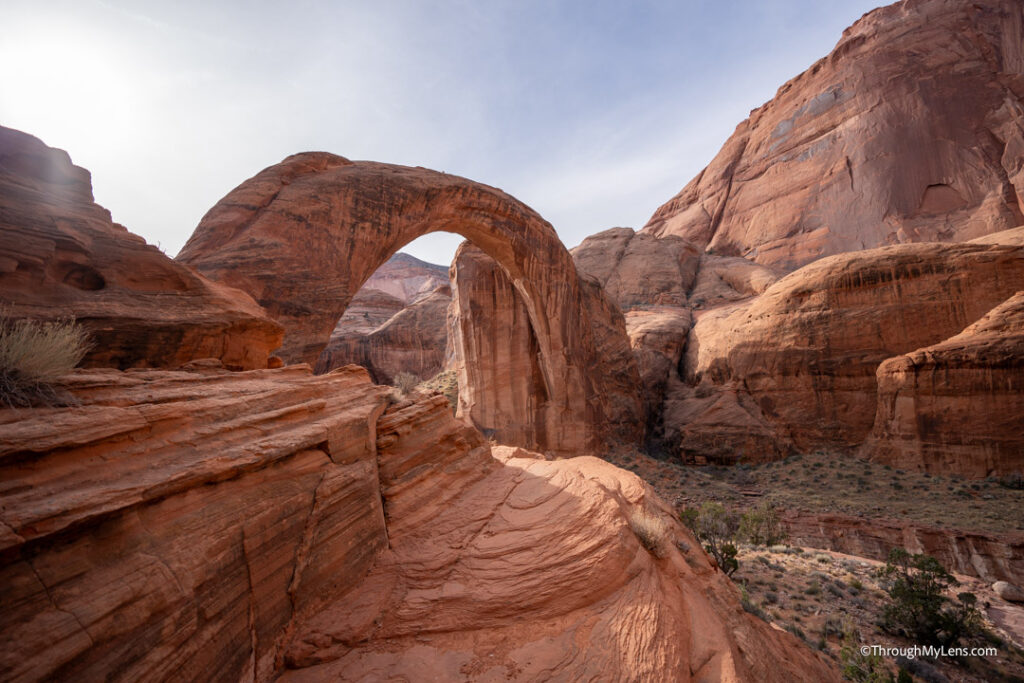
[(917, 605), (716, 527), (762, 525)]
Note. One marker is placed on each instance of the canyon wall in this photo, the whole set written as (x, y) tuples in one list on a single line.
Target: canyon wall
[(910, 130)]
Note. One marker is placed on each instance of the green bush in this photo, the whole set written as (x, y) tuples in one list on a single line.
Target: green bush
[(33, 355), (762, 525), (717, 528), (918, 608), (859, 666)]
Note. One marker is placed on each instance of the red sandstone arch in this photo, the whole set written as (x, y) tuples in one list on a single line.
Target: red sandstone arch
[(303, 236)]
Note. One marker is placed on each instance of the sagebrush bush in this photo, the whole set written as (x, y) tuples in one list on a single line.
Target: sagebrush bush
[(651, 530), (406, 382), (33, 355)]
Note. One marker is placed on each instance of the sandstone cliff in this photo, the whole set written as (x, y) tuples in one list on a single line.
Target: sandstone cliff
[(910, 130), (957, 406), (496, 346), (61, 255), (807, 349), (413, 339)]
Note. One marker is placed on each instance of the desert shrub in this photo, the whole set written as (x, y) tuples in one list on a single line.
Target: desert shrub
[(1012, 481), (447, 383), (717, 528), (651, 530), (918, 608), (33, 355), (750, 608), (860, 666), (762, 525), (406, 382)]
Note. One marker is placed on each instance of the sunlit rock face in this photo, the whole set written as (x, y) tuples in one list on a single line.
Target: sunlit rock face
[(910, 130), (807, 349), (61, 255)]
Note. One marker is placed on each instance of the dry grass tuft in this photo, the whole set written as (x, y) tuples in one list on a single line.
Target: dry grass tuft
[(651, 530), (406, 382), (33, 355)]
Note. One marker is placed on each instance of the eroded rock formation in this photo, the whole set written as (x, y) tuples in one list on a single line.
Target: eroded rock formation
[(496, 347), (957, 406), (304, 235), (911, 130), (61, 255), (282, 527), (396, 322), (414, 339), (807, 349)]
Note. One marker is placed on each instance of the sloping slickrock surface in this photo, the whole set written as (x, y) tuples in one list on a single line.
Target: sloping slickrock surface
[(274, 524), (957, 406), (526, 569), (910, 130), (61, 255)]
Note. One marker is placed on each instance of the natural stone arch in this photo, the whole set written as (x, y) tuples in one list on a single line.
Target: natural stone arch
[(303, 236)]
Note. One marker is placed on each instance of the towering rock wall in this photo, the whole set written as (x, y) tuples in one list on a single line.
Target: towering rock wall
[(61, 255), (910, 130)]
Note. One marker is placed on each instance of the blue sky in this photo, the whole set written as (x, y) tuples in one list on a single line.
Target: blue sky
[(593, 113)]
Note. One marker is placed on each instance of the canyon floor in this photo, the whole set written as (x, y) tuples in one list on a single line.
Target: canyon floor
[(820, 594)]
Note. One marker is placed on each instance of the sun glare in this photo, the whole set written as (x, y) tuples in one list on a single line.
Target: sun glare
[(69, 88)]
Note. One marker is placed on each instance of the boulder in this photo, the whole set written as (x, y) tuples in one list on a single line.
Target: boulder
[(1008, 591)]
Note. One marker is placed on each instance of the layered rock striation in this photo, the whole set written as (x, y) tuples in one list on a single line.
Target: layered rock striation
[(496, 346), (283, 526), (806, 350), (958, 405)]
